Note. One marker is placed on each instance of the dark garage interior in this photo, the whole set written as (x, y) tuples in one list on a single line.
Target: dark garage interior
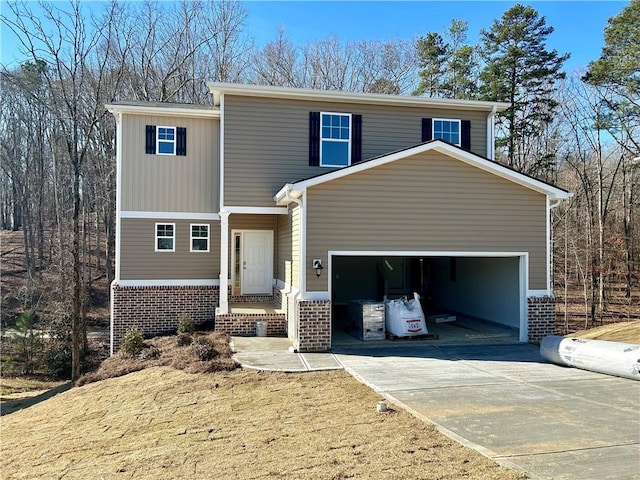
[(482, 293)]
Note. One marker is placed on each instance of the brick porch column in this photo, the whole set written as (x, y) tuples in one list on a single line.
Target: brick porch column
[(314, 325)]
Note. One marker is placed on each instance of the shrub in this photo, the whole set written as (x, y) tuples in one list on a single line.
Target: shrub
[(184, 339), (132, 344), (186, 324), (28, 340), (57, 357), (204, 349), (149, 353)]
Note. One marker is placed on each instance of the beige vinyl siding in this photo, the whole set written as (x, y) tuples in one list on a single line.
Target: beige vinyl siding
[(140, 261), (167, 183), (428, 202), (283, 249), (267, 140)]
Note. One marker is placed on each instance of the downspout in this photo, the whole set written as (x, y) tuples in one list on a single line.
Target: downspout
[(491, 134), (551, 204), (118, 232)]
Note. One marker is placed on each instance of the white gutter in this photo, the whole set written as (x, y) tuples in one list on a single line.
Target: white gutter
[(219, 88)]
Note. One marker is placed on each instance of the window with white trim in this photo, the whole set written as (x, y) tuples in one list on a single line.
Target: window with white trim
[(166, 141), (447, 130), (165, 237), (199, 237), (335, 139)]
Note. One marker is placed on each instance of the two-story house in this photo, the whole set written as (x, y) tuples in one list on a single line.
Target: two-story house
[(302, 200)]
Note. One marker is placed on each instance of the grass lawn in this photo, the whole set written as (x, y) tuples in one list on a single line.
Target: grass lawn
[(165, 423)]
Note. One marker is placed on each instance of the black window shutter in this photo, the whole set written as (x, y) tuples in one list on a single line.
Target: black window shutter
[(465, 135), (314, 139), (426, 130), (150, 143), (356, 138), (181, 141)]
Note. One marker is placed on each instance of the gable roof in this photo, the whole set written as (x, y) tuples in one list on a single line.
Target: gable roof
[(295, 190), (218, 88)]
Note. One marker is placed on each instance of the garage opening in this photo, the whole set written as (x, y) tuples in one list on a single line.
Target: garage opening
[(464, 298)]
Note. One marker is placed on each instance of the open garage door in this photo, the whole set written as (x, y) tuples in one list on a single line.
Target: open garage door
[(486, 294)]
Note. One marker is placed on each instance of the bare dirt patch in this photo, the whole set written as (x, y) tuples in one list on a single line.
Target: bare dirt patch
[(165, 423)]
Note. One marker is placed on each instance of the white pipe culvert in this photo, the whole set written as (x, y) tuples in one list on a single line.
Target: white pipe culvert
[(611, 358)]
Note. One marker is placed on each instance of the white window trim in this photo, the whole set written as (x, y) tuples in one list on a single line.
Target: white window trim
[(348, 142), (192, 238), (175, 138), (451, 120), (155, 236)]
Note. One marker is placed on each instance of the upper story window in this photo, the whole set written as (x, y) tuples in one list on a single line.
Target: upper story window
[(165, 237), (166, 140), (199, 237), (447, 130), (335, 139), (455, 131)]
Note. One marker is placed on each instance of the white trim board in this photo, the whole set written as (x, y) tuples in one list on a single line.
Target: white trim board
[(169, 215), (256, 210), (168, 283), (218, 89), (185, 110)]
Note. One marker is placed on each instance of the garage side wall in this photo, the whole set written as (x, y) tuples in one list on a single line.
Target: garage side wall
[(428, 202), (486, 284)]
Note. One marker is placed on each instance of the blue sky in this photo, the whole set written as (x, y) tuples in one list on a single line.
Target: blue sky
[(578, 25)]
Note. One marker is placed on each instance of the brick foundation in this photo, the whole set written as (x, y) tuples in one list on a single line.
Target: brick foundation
[(157, 310), (542, 318), (244, 324), (314, 325)]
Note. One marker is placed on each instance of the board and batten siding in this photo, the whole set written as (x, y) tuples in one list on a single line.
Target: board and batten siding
[(427, 202), (168, 183), (266, 142), (140, 261)]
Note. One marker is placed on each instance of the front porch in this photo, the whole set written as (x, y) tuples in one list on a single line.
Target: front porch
[(241, 319)]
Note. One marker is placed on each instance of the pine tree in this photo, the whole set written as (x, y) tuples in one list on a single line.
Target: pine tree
[(461, 68), (617, 75), (521, 70), (432, 54)]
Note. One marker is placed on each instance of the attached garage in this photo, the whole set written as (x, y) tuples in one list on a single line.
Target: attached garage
[(481, 291), (468, 234)]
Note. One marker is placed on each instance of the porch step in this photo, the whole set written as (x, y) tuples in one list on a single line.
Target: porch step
[(242, 318)]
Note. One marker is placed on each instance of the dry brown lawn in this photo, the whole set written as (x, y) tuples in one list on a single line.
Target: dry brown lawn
[(627, 332), (162, 423)]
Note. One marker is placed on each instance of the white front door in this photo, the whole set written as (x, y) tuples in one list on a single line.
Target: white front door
[(257, 262)]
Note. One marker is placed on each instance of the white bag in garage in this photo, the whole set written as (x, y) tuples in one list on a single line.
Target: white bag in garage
[(405, 318)]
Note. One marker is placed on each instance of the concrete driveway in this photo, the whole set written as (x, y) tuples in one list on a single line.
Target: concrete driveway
[(508, 403)]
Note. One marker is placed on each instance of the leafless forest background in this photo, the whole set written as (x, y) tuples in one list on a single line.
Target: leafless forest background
[(578, 130)]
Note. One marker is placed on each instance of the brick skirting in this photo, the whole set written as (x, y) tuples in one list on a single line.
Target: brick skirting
[(542, 318), (157, 310), (314, 325), (244, 324)]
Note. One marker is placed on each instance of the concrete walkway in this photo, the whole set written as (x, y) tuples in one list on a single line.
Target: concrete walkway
[(503, 400), (274, 354)]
